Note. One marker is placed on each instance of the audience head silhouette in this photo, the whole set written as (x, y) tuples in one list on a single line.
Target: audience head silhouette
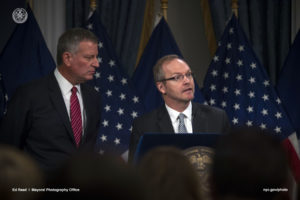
[(169, 175), (247, 163), (18, 174), (97, 177)]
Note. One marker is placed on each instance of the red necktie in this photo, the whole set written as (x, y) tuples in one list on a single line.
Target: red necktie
[(75, 115)]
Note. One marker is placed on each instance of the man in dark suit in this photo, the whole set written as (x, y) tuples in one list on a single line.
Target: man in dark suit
[(58, 115), (174, 80)]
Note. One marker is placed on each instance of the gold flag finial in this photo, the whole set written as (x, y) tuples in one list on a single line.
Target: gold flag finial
[(93, 5), (164, 8), (30, 2), (235, 7)]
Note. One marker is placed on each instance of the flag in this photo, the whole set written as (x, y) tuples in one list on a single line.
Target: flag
[(120, 103), (288, 84), (25, 57), (161, 43), (237, 83)]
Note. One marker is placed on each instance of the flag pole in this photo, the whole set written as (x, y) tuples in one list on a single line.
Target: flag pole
[(164, 8), (235, 7), (30, 2), (147, 28), (209, 29), (93, 5)]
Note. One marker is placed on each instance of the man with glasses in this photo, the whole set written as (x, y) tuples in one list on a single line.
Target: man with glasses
[(174, 80)]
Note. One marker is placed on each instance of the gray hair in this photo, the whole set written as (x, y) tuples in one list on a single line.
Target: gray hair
[(69, 41), (158, 73)]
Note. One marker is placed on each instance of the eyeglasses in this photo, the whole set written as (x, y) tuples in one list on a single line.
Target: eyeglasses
[(179, 77)]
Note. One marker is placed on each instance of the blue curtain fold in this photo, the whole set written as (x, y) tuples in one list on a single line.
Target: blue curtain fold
[(123, 20), (77, 12), (267, 25)]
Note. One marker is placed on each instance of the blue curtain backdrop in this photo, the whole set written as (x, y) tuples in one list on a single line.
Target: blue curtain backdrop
[(267, 25), (123, 20)]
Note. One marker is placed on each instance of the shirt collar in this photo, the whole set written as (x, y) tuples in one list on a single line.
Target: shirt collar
[(174, 114), (64, 84)]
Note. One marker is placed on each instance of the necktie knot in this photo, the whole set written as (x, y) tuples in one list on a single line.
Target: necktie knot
[(74, 90), (181, 117)]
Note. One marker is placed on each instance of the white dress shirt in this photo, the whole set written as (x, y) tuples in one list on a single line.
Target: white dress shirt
[(65, 88), (187, 120)]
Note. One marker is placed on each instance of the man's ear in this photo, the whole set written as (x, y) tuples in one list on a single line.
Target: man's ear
[(161, 87), (67, 58)]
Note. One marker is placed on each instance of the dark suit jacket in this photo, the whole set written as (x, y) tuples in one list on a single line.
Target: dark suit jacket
[(204, 119), (38, 123)]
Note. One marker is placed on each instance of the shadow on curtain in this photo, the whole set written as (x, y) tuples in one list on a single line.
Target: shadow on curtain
[(123, 20)]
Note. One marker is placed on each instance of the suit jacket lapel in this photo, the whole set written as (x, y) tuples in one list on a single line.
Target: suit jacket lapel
[(164, 121), (87, 107), (199, 121), (59, 104)]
